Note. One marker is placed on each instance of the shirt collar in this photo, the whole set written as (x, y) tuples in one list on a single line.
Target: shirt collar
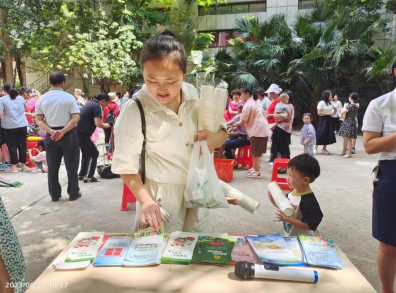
[(152, 105), (56, 88), (301, 194)]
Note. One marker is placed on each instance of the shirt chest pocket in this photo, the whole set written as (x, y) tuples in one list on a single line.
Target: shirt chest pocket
[(158, 132)]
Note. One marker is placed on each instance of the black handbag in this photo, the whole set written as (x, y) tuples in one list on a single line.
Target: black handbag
[(143, 153), (104, 171)]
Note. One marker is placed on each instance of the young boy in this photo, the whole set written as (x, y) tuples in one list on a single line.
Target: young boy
[(308, 134), (301, 171), (40, 161)]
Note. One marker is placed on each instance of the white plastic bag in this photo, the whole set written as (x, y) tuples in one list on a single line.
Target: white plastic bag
[(203, 189)]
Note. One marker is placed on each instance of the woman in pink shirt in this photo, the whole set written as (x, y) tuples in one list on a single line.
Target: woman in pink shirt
[(257, 129), (233, 105), (25, 92)]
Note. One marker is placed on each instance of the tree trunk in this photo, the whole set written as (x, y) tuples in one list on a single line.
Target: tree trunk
[(19, 66), (8, 72)]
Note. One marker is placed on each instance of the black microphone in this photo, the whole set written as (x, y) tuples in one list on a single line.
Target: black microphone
[(247, 270)]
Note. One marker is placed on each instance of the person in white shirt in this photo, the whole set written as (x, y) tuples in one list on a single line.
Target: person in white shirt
[(78, 94), (262, 100), (169, 106), (325, 129), (57, 113), (379, 137), (336, 118)]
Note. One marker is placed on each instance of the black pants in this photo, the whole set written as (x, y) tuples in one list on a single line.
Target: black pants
[(90, 155), (234, 143), (336, 124), (107, 132), (15, 139), (68, 148)]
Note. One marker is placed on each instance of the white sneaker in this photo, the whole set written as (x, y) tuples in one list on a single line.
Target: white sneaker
[(315, 152), (267, 160), (271, 163), (254, 175), (249, 171), (325, 152), (347, 156)]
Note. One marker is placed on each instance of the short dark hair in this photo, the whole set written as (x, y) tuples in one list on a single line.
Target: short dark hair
[(236, 92), (118, 94), (309, 115), (240, 106), (24, 89), (8, 87), (247, 89), (261, 92), (133, 91), (41, 144), (326, 96), (162, 46), (103, 97), (90, 98), (393, 68), (354, 96), (305, 164), (57, 77)]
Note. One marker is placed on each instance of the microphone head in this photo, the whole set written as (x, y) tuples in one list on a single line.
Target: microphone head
[(244, 270)]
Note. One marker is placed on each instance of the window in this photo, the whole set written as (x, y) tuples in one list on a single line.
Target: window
[(240, 8), (221, 38), (306, 4), (234, 8), (257, 7)]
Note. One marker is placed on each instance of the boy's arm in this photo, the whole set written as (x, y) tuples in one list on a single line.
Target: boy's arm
[(307, 140), (292, 221)]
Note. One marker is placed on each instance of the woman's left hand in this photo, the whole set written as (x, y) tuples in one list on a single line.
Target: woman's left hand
[(212, 139)]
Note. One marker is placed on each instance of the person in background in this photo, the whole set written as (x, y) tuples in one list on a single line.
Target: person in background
[(126, 95), (262, 100), (379, 137), (348, 128), (36, 94), (357, 128), (273, 92), (240, 140), (91, 118), (257, 128), (233, 105), (95, 136), (308, 134), (40, 160), (119, 96), (325, 128), (281, 136), (14, 125), (336, 118), (109, 115), (78, 94), (26, 93), (226, 114), (58, 113)]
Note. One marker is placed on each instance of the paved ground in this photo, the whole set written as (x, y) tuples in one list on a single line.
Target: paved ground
[(344, 192)]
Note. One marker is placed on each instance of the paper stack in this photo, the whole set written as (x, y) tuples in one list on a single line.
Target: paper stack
[(113, 251)]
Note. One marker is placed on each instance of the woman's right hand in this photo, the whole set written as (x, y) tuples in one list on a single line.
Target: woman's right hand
[(151, 214)]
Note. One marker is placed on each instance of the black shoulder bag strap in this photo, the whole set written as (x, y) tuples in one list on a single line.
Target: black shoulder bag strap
[(143, 154)]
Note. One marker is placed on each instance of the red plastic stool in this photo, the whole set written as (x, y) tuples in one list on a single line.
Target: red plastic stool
[(30, 145), (127, 196), (282, 182), (245, 156)]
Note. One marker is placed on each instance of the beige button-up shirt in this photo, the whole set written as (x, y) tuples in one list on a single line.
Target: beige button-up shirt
[(170, 137)]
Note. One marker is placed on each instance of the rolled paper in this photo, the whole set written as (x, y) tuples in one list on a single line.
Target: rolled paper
[(243, 200), (220, 101), (206, 109), (280, 199)]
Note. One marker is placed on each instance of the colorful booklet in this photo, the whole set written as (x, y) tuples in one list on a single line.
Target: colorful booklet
[(144, 251), (216, 249), (273, 249), (242, 250), (113, 251), (85, 247), (320, 251), (197, 255), (180, 248)]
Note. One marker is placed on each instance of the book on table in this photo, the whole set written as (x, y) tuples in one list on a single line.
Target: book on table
[(242, 250), (320, 251), (113, 252), (273, 249), (216, 249), (180, 248), (85, 247)]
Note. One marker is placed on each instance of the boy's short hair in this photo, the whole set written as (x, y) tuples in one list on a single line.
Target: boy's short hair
[(41, 143), (307, 165), (240, 107), (309, 115)]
